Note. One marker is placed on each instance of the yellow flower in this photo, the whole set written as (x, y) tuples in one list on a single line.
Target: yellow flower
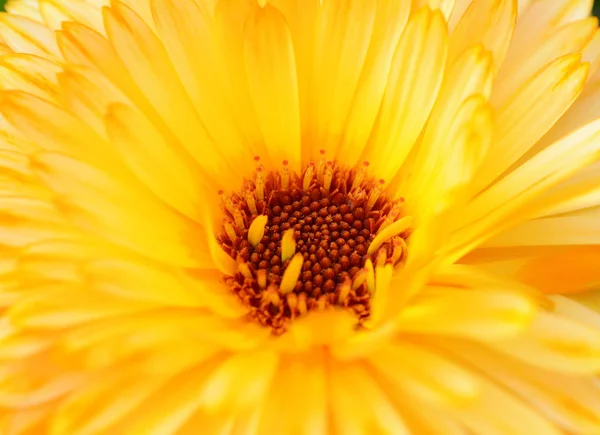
[(299, 216)]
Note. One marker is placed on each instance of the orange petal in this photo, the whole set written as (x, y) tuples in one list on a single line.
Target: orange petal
[(572, 270)]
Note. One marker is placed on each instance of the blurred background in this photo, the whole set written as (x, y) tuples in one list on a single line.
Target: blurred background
[(596, 6)]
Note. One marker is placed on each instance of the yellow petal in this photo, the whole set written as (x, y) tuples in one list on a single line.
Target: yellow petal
[(46, 385), (57, 260), (241, 381), (305, 376), (62, 306), (20, 345), (228, 35), (414, 80), (482, 313), (471, 74), (591, 53), (88, 93), (147, 61), (271, 71), (164, 167), (96, 202), (143, 8), (95, 407), (390, 22), (186, 29), (344, 30), (445, 6), (83, 46), (138, 281), (467, 143), (425, 375), (26, 221), (105, 342), (170, 406), (380, 302), (361, 407), (53, 128), (301, 17), (460, 7)]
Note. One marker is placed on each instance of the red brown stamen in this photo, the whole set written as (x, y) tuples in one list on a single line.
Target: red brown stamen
[(323, 220)]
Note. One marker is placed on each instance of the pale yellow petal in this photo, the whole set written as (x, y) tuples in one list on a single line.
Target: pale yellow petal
[(566, 230), (26, 8), (25, 35), (531, 112), (32, 74), (585, 109), (538, 23), (555, 342), (486, 22), (572, 403), (458, 11), (578, 193), (569, 39), (489, 414), (494, 208), (55, 12)]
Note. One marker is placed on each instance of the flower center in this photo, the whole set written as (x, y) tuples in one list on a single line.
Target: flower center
[(310, 241)]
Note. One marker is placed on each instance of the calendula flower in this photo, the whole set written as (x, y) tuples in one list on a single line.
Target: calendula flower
[(299, 217)]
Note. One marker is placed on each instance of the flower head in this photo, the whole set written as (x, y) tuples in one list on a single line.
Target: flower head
[(299, 216)]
